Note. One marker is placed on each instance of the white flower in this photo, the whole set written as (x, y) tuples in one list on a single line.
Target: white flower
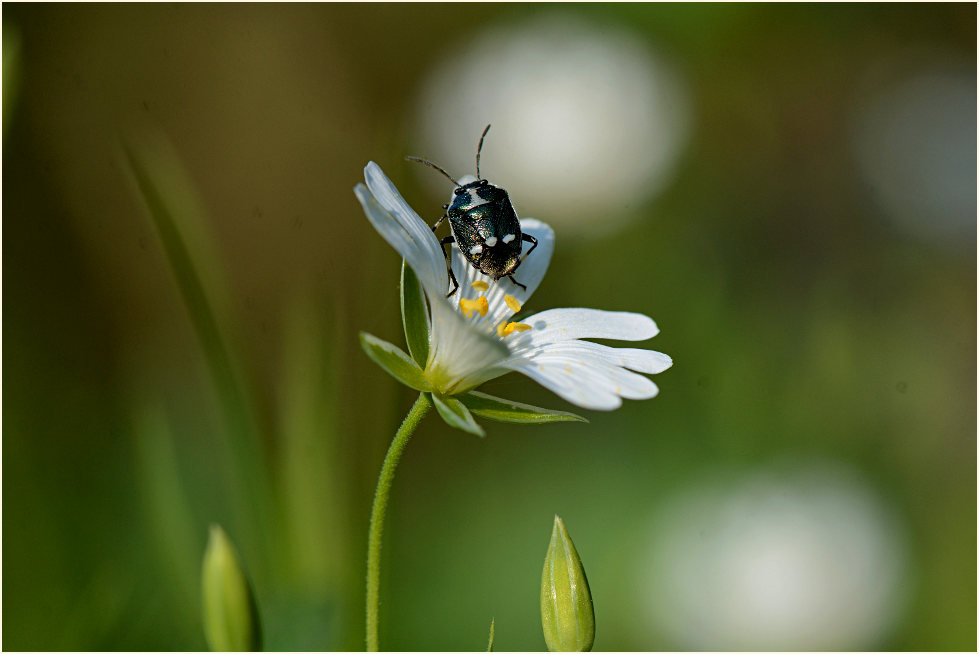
[(472, 338)]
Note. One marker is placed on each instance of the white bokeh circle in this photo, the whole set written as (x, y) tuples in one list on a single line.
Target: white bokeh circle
[(914, 142), (798, 558), (588, 121)]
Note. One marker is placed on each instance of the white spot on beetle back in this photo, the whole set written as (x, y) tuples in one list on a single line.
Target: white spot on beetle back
[(476, 249), (508, 238), (491, 241), (476, 201), (468, 199)]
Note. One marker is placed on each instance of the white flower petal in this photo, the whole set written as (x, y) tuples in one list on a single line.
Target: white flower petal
[(460, 357), (531, 271), (649, 362), (577, 387), (556, 325), (583, 375), (598, 370), (402, 228)]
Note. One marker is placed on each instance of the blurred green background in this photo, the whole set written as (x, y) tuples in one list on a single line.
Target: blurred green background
[(807, 251)]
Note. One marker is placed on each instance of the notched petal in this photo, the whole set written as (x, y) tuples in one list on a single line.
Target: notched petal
[(571, 384), (649, 362), (556, 325)]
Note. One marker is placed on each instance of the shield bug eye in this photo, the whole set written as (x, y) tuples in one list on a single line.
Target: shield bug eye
[(459, 191)]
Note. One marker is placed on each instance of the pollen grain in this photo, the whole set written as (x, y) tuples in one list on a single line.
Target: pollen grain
[(512, 302), (480, 305), (480, 285), (504, 331)]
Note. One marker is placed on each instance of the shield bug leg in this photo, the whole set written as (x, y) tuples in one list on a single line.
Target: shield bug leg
[(529, 239), (533, 241), (439, 222), (448, 240), (510, 277)]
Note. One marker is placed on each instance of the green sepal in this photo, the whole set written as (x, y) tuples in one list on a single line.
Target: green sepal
[(501, 410), (393, 360), (455, 414), (414, 315)]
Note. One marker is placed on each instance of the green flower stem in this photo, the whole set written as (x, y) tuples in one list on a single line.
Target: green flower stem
[(407, 428)]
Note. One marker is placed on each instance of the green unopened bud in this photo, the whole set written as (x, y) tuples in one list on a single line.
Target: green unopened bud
[(566, 611), (230, 616)]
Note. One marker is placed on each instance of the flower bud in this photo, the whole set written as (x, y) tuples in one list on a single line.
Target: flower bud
[(230, 616), (567, 614)]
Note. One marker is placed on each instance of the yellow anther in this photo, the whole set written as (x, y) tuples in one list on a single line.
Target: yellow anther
[(510, 328), (480, 285), (480, 305), (512, 302)]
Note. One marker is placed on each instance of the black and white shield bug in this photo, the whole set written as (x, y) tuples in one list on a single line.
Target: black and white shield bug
[(484, 226)]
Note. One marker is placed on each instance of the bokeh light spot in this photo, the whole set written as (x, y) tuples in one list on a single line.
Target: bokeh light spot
[(915, 146), (800, 558), (588, 121)]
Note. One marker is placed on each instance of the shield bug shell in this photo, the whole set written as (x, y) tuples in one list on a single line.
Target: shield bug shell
[(484, 226)]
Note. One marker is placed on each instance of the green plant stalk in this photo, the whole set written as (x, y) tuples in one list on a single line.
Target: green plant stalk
[(249, 481), (384, 480)]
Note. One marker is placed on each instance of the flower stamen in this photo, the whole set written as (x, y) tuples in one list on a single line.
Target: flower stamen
[(480, 285), (512, 302), (504, 329), (480, 305)]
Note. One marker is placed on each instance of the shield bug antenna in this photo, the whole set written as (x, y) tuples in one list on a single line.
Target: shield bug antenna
[(431, 165), (479, 149)]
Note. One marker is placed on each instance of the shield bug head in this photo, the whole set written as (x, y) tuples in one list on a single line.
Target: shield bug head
[(484, 226)]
